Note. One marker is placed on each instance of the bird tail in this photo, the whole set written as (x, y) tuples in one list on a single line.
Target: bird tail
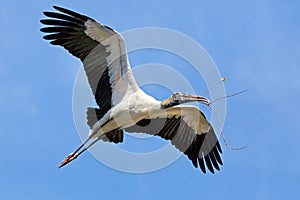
[(94, 115)]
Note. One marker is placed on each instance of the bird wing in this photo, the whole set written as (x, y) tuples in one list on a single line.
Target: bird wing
[(189, 131), (100, 48)]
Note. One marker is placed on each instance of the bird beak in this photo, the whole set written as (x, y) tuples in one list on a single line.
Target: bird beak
[(200, 99)]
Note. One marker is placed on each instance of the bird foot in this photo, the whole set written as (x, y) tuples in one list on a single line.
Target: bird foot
[(70, 157)]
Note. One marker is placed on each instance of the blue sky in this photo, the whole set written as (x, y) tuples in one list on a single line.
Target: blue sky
[(255, 44)]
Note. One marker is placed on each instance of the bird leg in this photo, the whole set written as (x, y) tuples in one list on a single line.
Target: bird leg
[(74, 155), (69, 158)]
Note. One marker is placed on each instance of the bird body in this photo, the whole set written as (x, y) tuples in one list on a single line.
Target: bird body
[(137, 106), (123, 106)]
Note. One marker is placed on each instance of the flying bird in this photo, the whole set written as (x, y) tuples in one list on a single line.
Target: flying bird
[(123, 106)]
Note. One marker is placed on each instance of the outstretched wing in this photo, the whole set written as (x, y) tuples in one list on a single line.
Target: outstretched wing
[(100, 48), (189, 131)]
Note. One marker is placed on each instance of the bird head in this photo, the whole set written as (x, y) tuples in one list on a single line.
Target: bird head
[(180, 98)]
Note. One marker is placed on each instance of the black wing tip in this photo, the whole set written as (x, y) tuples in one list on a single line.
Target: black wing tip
[(71, 13), (214, 160), (55, 42), (210, 162), (42, 29), (202, 165), (43, 21), (194, 161), (46, 37), (46, 13), (221, 162), (219, 147), (49, 14), (61, 9), (217, 155), (58, 7)]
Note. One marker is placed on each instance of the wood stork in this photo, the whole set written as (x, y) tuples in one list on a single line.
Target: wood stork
[(123, 106)]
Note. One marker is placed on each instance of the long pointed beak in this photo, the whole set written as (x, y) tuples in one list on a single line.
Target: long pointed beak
[(200, 99)]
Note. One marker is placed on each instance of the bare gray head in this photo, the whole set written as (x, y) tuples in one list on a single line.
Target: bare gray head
[(180, 98)]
